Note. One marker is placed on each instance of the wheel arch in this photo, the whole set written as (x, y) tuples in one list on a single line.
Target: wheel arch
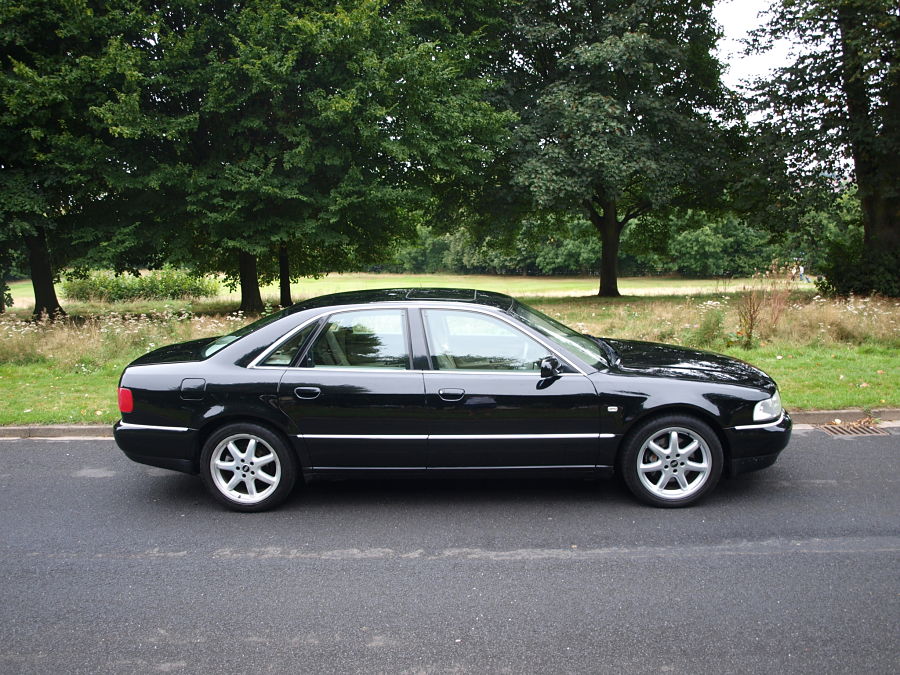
[(213, 425), (687, 410)]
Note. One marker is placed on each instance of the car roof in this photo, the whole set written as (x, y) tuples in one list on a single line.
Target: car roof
[(465, 295)]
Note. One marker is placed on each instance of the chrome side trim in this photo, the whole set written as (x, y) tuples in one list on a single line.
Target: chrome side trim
[(511, 437), (774, 423), (450, 437), (369, 468), (459, 468), (369, 437), (150, 427), (516, 466)]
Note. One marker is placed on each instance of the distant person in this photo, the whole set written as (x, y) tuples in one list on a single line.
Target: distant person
[(803, 276), (793, 272)]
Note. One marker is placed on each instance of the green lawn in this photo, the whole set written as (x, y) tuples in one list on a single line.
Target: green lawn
[(519, 286), (42, 394), (810, 378), (823, 354), (830, 378)]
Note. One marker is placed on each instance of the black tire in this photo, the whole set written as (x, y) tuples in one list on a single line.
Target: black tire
[(683, 476), (248, 467)]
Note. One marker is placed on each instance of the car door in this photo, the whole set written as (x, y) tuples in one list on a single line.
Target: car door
[(354, 397), (489, 406)]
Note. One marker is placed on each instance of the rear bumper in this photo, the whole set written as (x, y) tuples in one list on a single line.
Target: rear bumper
[(172, 448), (757, 446)]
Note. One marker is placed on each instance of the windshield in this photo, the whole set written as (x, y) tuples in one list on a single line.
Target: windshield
[(584, 347), (226, 340)]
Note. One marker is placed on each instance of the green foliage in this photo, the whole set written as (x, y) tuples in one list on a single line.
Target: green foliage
[(712, 247), (711, 330), (563, 247), (850, 269), (164, 284), (622, 111), (316, 127), (837, 107)]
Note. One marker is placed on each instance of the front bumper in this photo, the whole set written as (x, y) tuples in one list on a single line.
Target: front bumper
[(757, 446), (172, 448)]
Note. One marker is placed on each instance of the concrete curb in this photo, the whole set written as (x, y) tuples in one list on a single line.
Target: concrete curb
[(845, 416), (58, 431), (811, 417)]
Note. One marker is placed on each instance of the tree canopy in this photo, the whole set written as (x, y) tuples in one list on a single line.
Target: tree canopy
[(265, 139), (835, 111), (622, 111)]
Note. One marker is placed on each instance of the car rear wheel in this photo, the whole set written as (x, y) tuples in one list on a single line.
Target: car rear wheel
[(672, 461), (247, 467)]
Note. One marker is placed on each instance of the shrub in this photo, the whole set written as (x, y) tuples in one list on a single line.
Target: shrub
[(711, 330), (851, 270), (749, 310), (164, 284)]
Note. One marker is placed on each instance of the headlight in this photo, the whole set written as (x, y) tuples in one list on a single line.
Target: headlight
[(768, 409)]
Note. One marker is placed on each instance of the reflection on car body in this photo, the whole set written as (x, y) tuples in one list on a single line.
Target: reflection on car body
[(420, 382)]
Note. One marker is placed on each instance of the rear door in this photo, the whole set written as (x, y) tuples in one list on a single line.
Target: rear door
[(354, 397), (489, 406)]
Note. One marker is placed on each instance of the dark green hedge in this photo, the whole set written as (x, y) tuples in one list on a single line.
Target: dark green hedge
[(164, 284)]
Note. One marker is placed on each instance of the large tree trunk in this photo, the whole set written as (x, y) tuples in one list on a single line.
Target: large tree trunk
[(610, 229), (251, 300), (45, 300), (284, 276), (874, 159)]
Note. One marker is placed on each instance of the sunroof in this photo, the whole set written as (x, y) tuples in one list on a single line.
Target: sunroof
[(460, 294)]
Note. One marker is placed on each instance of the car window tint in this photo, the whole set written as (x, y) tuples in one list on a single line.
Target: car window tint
[(460, 340), (363, 339), (287, 352)]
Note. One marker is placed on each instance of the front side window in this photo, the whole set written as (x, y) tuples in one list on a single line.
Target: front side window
[(362, 339), (460, 340), (581, 345)]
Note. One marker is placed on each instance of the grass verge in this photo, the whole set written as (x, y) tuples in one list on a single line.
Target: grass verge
[(824, 354)]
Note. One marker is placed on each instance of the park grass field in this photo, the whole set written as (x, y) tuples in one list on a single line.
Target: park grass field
[(825, 354), (518, 286)]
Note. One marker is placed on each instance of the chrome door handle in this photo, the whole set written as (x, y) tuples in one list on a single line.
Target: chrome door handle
[(451, 395), (307, 392)]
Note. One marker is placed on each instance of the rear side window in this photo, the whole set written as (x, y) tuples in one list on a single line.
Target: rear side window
[(290, 348), (374, 338)]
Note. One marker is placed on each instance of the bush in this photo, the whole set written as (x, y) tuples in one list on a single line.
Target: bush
[(849, 269), (164, 284), (711, 330)]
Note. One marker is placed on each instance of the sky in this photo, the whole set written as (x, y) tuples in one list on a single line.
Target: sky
[(737, 17)]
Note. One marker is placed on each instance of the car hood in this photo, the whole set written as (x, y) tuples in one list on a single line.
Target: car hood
[(651, 358), (192, 350)]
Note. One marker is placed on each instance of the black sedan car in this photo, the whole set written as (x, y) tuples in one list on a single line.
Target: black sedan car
[(422, 382)]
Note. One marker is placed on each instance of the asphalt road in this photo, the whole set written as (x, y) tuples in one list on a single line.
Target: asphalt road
[(109, 566)]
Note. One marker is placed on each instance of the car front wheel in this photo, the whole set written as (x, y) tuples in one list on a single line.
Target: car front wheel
[(247, 467), (672, 461)]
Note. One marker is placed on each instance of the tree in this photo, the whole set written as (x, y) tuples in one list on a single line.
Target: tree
[(42, 133), (836, 112), (622, 111), (291, 131)]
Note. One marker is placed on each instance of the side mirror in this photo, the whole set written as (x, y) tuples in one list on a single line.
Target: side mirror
[(549, 367)]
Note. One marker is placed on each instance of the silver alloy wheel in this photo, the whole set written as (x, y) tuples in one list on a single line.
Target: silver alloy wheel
[(245, 468), (674, 463)]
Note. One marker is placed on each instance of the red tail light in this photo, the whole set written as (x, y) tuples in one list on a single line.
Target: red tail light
[(126, 400)]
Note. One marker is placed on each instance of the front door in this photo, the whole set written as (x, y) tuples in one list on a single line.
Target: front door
[(354, 398), (489, 406)]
